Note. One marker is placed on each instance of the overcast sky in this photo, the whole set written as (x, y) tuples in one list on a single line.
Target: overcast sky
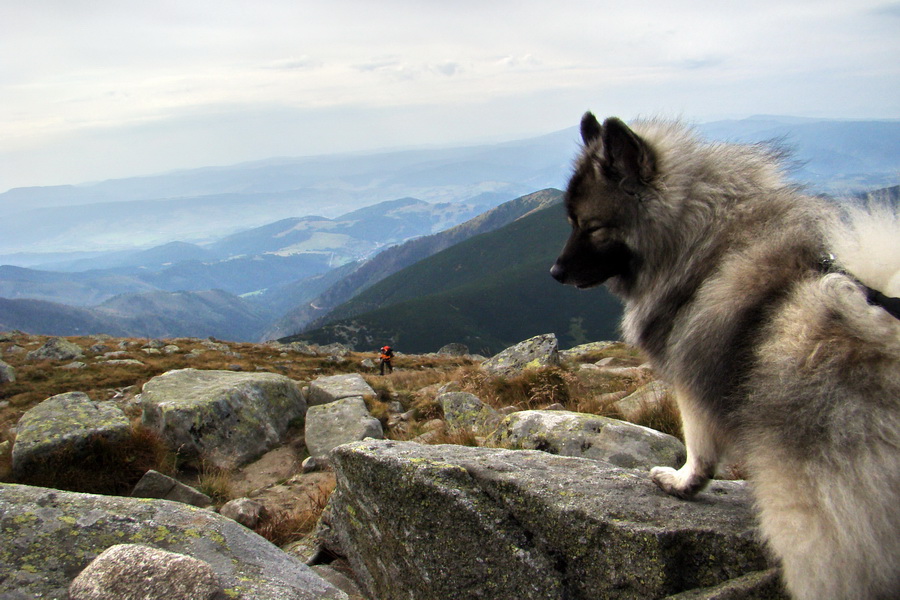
[(96, 89)]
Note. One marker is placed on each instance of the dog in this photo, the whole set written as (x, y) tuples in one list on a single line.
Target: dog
[(741, 291)]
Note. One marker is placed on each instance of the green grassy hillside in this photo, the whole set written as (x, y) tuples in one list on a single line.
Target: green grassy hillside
[(488, 292)]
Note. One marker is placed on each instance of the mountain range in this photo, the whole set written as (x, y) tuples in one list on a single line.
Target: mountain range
[(487, 292), (272, 259)]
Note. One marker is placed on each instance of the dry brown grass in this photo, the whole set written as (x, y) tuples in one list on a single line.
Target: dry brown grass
[(102, 466), (215, 482), (282, 527), (662, 415), (532, 389)]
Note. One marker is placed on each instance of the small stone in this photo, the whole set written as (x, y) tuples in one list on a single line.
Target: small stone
[(245, 511), (133, 572)]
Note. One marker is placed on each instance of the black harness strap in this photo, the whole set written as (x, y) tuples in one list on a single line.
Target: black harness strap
[(876, 298), (827, 264)]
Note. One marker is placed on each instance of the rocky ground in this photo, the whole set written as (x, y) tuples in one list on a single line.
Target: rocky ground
[(262, 420)]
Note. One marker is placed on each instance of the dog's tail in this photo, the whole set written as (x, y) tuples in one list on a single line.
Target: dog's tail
[(866, 242)]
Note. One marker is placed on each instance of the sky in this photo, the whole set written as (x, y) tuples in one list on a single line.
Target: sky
[(99, 89)]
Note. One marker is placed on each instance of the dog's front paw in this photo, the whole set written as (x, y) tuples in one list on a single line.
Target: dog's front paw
[(680, 484)]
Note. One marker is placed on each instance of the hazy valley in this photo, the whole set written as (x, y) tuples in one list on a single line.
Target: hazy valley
[(360, 248)]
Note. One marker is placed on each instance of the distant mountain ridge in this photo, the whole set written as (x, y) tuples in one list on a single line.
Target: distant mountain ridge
[(149, 315), (264, 234), (201, 205), (488, 292), (394, 259)]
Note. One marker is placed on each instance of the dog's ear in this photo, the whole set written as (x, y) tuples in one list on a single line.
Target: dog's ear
[(590, 128), (627, 158)]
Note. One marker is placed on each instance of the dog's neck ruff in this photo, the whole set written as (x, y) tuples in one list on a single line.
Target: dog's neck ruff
[(828, 264)]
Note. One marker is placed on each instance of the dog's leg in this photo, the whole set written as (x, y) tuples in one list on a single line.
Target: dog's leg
[(702, 440)]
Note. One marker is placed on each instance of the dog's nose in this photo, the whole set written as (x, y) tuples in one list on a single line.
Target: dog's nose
[(558, 273)]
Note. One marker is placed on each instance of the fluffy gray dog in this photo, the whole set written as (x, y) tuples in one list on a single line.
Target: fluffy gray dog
[(776, 354)]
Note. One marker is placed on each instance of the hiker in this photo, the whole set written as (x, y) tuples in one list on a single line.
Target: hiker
[(387, 355)]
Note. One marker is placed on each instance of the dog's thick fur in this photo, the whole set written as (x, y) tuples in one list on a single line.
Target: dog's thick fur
[(775, 357)]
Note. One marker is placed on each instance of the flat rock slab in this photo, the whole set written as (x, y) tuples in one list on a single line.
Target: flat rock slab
[(437, 522), (335, 387), (48, 537), (156, 485)]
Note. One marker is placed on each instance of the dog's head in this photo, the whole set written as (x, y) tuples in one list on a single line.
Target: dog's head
[(601, 201)]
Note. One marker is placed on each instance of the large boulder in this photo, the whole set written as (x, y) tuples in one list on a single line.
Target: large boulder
[(467, 411), (56, 349), (339, 422), (589, 436), (224, 418), (62, 428), (335, 387), (539, 351), (7, 373), (438, 522), (48, 537)]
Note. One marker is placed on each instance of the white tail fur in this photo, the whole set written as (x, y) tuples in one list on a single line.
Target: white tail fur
[(867, 244)]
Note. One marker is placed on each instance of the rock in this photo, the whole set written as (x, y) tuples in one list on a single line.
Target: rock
[(62, 427), (156, 485), (539, 351), (56, 349), (311, 464), (466, 411), (438, 522), (155, 344), (275, 465), (98, 349), (330, 425), (590, 347), (301, 348), (760, 585), (245, 511), (136, 572), (7, 373), (334, 349), (171, 349), (644, 397), (340, 581), (121, 361), (589, 436), (48, 537), (454, 350), (328, 389), (74, 366), (367, 363), (225, 418)]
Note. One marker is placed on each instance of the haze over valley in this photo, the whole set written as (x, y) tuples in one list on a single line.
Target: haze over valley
[(268, 249)]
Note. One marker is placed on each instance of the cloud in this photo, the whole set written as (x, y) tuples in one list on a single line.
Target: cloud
[(91, 69), (294, 64)]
